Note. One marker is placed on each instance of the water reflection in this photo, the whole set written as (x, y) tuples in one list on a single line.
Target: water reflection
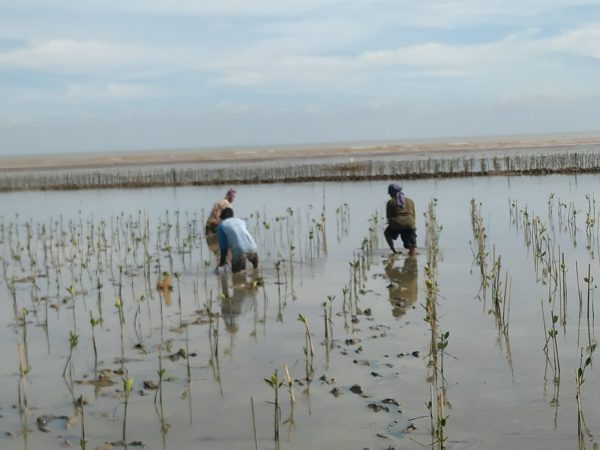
[(403, 286), (238, 292), (165, 286), (213, 244)]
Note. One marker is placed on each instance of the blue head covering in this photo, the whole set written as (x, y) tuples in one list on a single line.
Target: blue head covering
[(395, 191)]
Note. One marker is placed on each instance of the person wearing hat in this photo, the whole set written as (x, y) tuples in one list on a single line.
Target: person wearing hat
[(214, 219), (400, 213)]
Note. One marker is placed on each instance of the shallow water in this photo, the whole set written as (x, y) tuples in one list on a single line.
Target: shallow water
[(497, 396)]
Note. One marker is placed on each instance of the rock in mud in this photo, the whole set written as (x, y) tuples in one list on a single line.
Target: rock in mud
[(150, 385), (325, 380), (180, 354), (42, 422), (362, 362), (377, 407), (356, 389), (336, 392)]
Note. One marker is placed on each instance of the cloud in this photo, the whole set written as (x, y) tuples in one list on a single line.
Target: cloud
[(15, 121), (243, 79), (582, 41), (68, 56), (110, 91), (64, 59), (183, 7), (231, 108)]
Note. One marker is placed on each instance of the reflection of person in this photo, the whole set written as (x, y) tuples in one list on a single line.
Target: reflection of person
[(233, 235), (403, 288), (237, 301), (165, 286), (214, 219), (400, 213)]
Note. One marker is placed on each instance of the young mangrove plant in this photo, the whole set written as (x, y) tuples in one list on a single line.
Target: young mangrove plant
[(73, 340), (309, 350), (94, 323), (80, 405), (552, 342), (127, 388), (254, 423), (579, 380), (22, 391), (119, 307), (480, 253), (275, 384), (438, 342)]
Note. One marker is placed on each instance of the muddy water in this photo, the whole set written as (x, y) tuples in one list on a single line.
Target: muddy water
[(499, 387)]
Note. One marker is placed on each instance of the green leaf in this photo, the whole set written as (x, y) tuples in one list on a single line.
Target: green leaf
[(128, 384)]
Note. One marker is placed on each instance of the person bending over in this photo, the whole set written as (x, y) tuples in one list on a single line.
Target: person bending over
[(213, 219), (400, 213), (233, 235)]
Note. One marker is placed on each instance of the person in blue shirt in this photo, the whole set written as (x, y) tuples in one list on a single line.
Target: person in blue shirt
[(233, 234)]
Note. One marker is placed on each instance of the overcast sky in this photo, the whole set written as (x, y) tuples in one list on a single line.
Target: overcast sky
[(94, 75)]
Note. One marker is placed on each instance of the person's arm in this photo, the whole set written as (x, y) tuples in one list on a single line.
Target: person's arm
[(390, 212), (213, 218), (411, 209), (223, 245)]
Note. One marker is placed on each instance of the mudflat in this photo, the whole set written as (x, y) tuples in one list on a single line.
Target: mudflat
[(270, 153)]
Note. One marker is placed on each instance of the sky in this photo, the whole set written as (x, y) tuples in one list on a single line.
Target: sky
[(119, 75)]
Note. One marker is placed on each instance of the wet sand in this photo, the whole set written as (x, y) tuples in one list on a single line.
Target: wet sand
[(255, 154)]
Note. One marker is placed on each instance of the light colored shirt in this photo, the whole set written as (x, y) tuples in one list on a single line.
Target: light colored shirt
[(233, 234)]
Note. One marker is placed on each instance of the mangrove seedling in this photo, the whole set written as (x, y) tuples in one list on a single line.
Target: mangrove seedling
[(127, 387), (94, 323), (73, 340), (275, 385), (309, 350)]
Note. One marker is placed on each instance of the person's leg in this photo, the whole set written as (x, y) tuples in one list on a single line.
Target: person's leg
[(213, 244), (253, 258), (238, 263), (409, 239), (389, 237)]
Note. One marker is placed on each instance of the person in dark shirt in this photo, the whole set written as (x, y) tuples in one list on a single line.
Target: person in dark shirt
[(400, 213)]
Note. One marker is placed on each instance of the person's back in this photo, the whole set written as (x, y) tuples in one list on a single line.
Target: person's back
[(402, 216), (233, 234), (237, 236)]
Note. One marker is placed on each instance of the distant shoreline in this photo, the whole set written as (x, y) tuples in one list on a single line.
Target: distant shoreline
[(485, 157), (268, 154)]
